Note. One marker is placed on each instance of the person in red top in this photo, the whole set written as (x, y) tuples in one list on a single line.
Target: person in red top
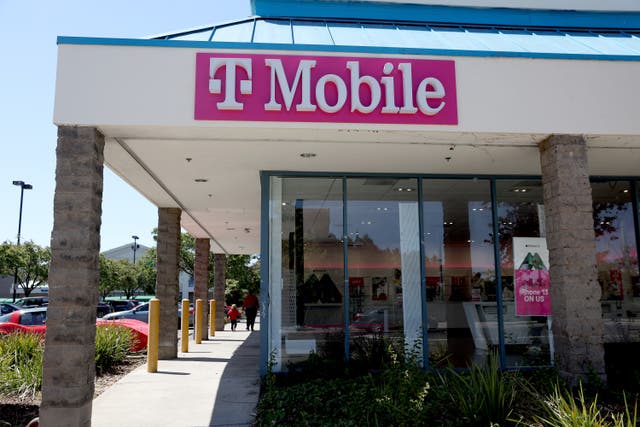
[(233, 316), (250, 306)]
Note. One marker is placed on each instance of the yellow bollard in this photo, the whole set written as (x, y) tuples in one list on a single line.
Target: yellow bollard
[(154, 335), (212, 318), (184, 325), (198, 321)]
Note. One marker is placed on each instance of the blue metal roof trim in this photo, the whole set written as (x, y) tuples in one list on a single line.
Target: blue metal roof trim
[(633, 56), (444, 14)]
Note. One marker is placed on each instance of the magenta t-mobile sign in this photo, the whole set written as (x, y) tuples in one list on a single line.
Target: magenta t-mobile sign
[(291, 88)]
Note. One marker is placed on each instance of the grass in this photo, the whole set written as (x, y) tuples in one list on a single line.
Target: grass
[(113, 343), (21, 365), (21, 359)]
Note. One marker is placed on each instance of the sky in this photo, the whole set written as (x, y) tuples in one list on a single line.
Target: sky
[(28, 51)]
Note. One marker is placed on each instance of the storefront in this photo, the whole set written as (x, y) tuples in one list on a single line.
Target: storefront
[(461, 177), (442, 289)]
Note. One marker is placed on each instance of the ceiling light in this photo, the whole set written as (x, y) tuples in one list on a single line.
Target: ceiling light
[(201, 180), (284, 203), (307, 155)]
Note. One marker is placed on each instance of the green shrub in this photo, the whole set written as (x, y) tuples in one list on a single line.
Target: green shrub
[(563, 409), (484, 395), (112, 347), (21, 365)]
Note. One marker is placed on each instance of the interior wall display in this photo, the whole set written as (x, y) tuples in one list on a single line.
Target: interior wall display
[(531, 274), (379, 289), (356, 295)]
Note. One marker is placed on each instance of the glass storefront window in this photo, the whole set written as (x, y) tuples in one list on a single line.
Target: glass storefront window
[(617, 262), (319, 305), (524, 265), (384, 262), (307, 269), (462, 318)]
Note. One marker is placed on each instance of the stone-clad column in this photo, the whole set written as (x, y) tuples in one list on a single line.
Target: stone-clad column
[(168, 254), (575, 293), (219, 279), (201, 281), (69, 366)]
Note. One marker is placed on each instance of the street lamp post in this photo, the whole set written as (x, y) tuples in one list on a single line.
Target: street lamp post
[(135, 247), (23, 186)]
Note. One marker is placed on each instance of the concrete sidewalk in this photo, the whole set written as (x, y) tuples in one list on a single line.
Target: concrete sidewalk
[(216, 383)]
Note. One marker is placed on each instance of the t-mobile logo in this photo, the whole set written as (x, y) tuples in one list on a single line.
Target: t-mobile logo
[(215, 85)]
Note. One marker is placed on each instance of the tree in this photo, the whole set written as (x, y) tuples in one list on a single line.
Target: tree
[(28, 261), (147, 271), (245, 269), (242, 271), (128, 277), (108, 277)]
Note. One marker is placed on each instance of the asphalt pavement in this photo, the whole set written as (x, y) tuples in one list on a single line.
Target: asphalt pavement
[(216, 383)]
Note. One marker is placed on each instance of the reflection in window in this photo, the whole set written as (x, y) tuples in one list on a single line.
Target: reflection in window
[(307, 272), (461, 310), (384, 261), (524, 265), (617, 262)]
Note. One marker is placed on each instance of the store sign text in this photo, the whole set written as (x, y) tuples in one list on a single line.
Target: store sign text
[(325, 88)]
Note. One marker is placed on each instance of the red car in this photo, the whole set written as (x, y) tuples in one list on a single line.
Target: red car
[(32, 320)]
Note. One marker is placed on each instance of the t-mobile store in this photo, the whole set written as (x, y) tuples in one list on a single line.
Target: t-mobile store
[(461, 179)]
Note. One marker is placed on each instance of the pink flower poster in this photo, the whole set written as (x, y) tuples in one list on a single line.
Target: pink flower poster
[(531, 276)]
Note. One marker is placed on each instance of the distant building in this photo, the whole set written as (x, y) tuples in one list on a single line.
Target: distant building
[(126, 252)]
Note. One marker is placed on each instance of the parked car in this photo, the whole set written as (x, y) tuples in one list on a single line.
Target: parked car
[(32, 302), (140, 312), (103, 309), (122, 305), (30, 320), (7, 307), (140, 331), (33, 320), (191, 311), (374, 321)]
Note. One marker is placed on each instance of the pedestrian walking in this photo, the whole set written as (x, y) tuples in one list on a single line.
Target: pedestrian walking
[(233, 316), (250, 306)]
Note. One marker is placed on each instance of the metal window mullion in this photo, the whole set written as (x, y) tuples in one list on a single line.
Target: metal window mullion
[(345, 260), (265, 193), (636, 216), (496, 254), (423, 278)]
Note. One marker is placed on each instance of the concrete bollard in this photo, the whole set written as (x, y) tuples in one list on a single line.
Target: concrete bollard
[(212, 318), (198, 320), (184, 325), (154, 335)]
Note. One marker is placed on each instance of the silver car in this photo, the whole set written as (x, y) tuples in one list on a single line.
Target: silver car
[(140, 312)]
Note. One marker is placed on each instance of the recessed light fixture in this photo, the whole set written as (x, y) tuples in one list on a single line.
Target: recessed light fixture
[(284, 203), (626, 190), (307, 155), (201, 180), (230, 228)]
